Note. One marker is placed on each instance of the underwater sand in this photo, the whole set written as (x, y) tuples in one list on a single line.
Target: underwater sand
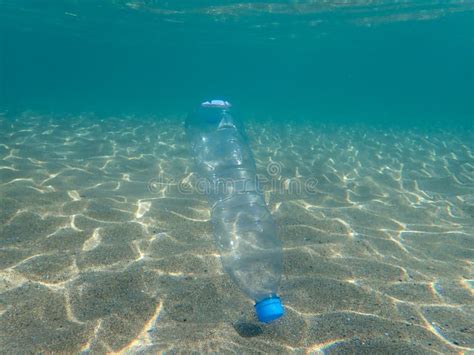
[(100, 251)]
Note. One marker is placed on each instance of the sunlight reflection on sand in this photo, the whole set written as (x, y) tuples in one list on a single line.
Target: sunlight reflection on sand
[(378, 257)]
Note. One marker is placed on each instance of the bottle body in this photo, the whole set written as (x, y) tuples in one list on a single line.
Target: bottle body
[(245, 233)]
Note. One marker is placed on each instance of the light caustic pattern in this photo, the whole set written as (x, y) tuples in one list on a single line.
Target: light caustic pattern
[(378, 255)]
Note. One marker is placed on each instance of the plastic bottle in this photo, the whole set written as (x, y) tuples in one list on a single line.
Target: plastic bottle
[(243, 227)]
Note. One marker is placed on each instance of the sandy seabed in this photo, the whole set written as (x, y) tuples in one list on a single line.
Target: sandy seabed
[(101, 251)]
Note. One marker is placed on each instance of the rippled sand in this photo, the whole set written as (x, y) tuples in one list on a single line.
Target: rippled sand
[(100, 251)]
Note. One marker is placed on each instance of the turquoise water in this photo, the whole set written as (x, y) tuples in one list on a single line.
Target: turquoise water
[(100, 251), (319, 62)]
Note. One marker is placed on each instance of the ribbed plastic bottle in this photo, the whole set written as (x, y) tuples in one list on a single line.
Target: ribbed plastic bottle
[(243, 227)]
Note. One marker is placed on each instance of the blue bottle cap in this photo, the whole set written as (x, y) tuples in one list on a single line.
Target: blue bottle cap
[(269, 309)]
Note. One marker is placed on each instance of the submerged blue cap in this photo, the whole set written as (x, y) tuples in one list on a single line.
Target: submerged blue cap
[(269, 309)]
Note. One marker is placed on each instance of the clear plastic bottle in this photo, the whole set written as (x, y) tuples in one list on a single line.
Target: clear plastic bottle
[(243, 227)]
